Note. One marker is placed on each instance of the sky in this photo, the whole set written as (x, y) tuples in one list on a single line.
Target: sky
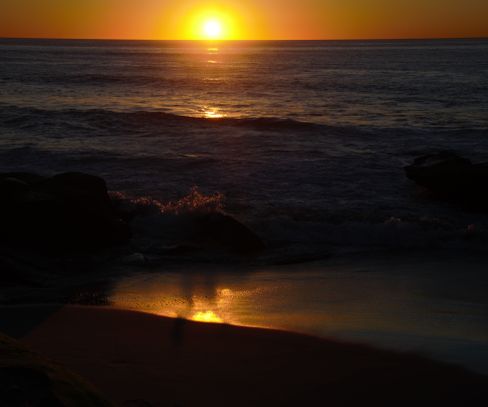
[(244, 19)]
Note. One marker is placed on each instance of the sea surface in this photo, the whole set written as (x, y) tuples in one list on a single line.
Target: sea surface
[(304, 142)]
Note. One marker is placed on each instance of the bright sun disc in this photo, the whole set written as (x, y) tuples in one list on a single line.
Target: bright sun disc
[(212, 29)]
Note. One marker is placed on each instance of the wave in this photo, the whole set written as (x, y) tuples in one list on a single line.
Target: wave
[(99, 79), (14, 116), (157, 223), (194, 202), (89, 119)]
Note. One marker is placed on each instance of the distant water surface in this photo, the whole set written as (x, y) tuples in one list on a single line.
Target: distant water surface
[(305, 140)]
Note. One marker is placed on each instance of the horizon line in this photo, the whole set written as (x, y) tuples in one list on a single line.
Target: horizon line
[(245, 40)]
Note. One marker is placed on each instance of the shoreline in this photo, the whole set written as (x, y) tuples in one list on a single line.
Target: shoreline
[(130, 355), (392, 302)]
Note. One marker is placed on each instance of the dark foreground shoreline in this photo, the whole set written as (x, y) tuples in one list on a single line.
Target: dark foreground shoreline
[(147, 360), (137, 359)]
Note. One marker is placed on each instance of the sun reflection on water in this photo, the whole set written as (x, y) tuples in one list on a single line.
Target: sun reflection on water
[(212, 113)]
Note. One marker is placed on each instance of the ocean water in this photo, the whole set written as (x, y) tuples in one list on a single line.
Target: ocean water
[(305, 142)]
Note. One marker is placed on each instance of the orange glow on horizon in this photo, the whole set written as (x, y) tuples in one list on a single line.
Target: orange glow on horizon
[(238, 20)]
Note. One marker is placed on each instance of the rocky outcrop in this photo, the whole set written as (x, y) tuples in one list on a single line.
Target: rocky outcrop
[(453, 178), (73, 212), (27, 379), (217, 230), (194, 233), (67, 211)]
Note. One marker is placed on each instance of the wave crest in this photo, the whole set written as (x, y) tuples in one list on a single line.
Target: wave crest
[(195, 202), (103, 118)]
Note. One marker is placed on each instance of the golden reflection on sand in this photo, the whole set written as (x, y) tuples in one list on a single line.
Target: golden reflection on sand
[(202, 302), (207, 316), (346, 304)]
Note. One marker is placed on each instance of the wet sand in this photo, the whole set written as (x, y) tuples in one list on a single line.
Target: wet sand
[(172, 362), (433, 304)]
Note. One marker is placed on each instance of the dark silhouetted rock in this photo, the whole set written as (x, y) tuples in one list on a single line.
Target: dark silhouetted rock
[(80, 188), (219, 230), (14, 273), (212, 231), (26, 379), (13, 188), (197, 232), (452, 178), (71, 211), (137, 403)]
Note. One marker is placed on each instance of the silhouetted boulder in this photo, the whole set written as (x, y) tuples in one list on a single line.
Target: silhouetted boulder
[(195, 231), (15, 273), (71, 211), (80, 189), (13, 188), (222, 231), (452, 178), (27, 379)]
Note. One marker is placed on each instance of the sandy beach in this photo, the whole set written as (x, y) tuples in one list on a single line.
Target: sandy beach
[(141, 359)]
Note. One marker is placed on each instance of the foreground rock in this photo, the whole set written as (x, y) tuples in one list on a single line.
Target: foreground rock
[(452, 178), (14, 273), (74, 212), (27, 379), (185, 234), (67, 211), (216, 230)]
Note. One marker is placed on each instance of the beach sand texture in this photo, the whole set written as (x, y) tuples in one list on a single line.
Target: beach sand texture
[(143, 358)]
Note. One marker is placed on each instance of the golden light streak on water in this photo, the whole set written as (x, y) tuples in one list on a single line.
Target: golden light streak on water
[(210, 113)]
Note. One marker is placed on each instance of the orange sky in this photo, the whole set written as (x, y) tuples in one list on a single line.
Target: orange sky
[(244, 19)]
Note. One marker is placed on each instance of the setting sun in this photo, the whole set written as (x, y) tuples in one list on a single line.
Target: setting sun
[(211, 24), (212, 29)]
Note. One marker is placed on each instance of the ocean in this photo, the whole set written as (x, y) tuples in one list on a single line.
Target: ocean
[(304, 142)]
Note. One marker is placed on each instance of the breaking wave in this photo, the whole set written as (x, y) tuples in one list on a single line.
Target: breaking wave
[(13, 116)]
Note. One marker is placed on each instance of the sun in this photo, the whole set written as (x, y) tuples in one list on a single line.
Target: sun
[(214, 25), (212, 29)]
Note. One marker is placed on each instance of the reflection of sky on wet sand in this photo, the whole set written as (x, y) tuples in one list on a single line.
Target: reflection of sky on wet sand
[(190, 296), (403, 308)]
